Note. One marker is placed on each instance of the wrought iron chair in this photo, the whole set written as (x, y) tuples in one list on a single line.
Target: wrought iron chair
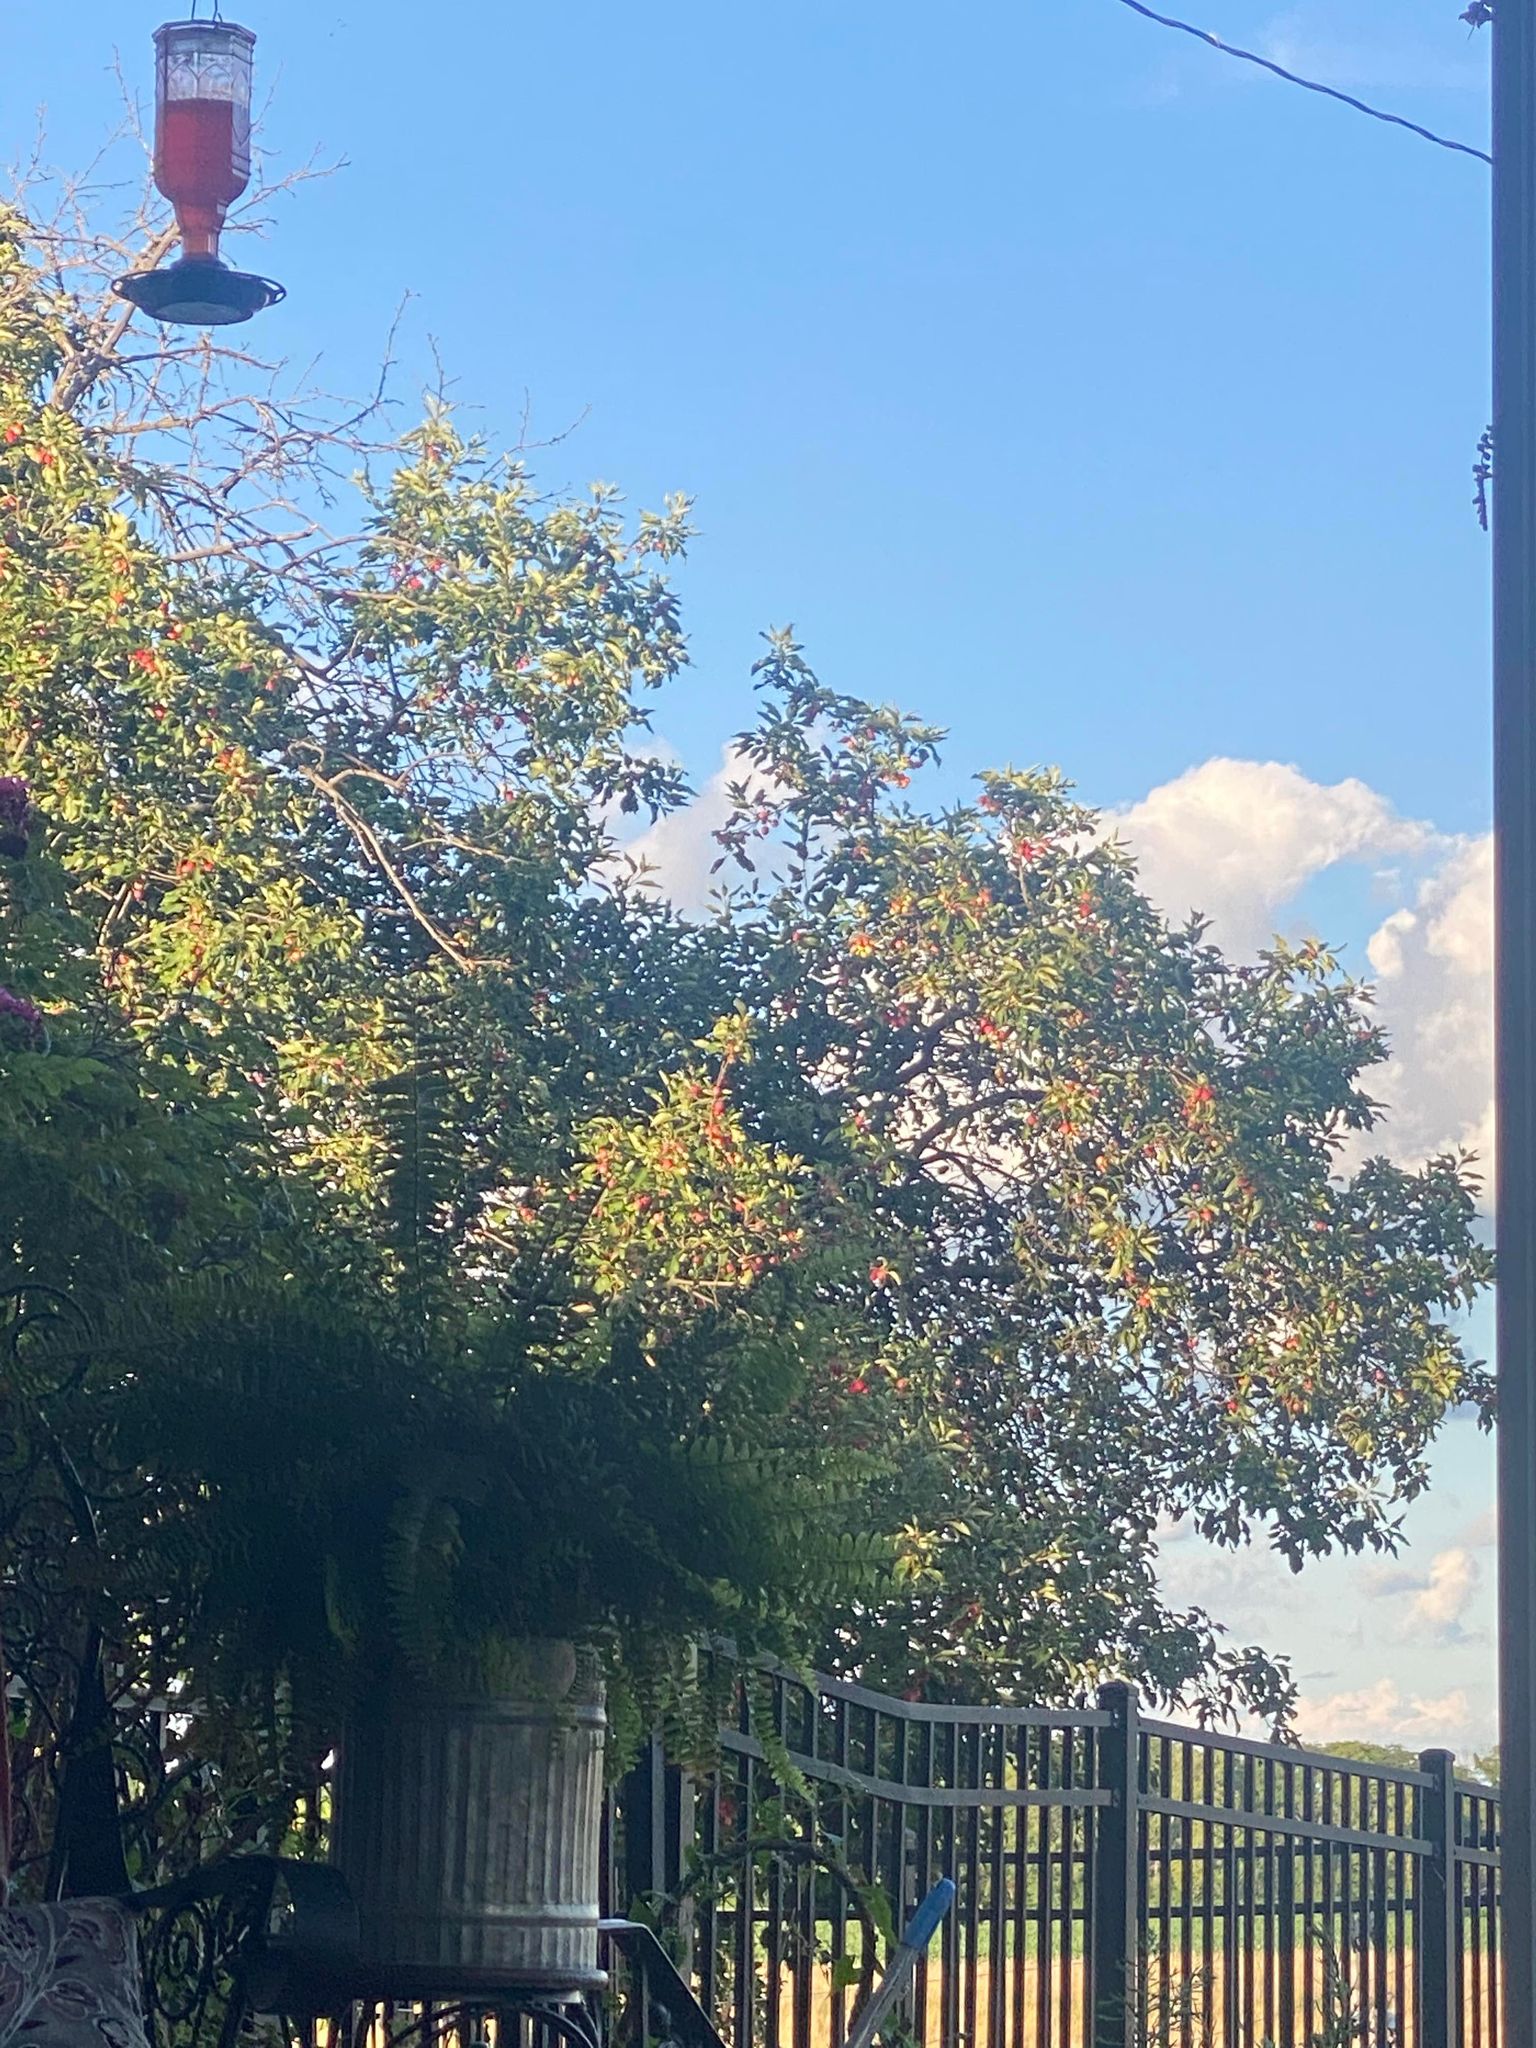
[(219, 1938)]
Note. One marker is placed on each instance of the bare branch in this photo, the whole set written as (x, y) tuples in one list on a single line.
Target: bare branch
[(373, 846)]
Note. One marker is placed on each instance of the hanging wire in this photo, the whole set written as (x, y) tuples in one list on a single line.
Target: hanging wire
[(1331, 92)]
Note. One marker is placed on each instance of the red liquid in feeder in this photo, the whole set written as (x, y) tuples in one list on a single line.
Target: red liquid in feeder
[(202, 164)]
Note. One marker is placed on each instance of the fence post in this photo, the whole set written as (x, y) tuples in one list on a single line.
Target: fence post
[(1437, 1906), (1114, 1916), (642, 1804), (656, 1803)]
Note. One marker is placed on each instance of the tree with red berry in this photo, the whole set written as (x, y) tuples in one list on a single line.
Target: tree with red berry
[(931, 1173)]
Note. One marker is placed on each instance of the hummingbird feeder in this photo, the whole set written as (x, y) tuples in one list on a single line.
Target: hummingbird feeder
[(202, 165)]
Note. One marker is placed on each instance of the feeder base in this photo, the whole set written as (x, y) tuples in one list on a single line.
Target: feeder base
[(199, 291)]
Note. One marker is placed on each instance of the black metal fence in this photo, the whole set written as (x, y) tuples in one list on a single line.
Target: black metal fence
[(1120, 1880)]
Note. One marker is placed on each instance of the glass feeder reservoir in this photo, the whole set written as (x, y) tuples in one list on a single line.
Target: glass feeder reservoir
[(202, 165)]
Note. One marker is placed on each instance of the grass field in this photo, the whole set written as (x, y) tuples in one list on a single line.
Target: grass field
[(1175, 2012)]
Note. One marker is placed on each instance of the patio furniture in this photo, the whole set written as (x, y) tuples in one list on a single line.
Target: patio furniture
[(91, 1960)]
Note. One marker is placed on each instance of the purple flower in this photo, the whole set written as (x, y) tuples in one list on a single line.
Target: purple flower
[(15, 816), (18, 1010)]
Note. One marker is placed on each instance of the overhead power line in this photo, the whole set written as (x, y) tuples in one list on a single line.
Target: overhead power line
[(1330, 92)]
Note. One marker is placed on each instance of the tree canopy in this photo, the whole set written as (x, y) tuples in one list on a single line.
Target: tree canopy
[(930, 1148)]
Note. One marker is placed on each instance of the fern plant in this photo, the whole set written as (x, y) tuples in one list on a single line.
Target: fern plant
[(347, 1513)]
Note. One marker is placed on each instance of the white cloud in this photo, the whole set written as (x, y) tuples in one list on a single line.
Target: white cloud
[(1238, 840), (1482, 1532), (1385, 949), (1434, 967), (1380, 1712), (1441, 1597), (681, 849), (1441, 1605)]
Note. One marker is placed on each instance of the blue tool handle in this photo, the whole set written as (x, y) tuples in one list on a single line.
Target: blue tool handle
[(893, 1985), (924, 1923)]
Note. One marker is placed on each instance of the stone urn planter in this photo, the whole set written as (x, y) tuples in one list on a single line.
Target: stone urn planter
[(467, 1829)]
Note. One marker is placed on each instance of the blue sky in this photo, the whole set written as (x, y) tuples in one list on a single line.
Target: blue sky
[(1053, 375)]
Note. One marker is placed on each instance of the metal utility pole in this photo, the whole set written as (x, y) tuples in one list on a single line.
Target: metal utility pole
[(1514, 809)]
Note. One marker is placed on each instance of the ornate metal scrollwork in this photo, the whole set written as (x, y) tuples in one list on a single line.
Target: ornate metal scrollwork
[(108, 1789)]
